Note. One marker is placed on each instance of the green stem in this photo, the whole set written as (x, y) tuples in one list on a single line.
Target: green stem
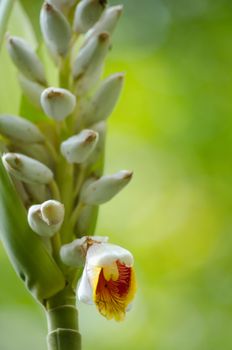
[(55, 192), (80, 179), (56, 244), (65, 183), (52, 150), (75, 215), (5, 11), (64, 72), (62, 320)]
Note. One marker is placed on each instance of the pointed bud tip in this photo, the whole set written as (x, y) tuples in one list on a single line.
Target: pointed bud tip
[(121, 76), (9, 38), (103, 37), (127, 174), (54, 93), (103, 2), (119, 9), (91, 137), (12, 159), (48, 7)]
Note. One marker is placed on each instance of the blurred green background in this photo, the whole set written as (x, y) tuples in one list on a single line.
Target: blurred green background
[(173, 127)]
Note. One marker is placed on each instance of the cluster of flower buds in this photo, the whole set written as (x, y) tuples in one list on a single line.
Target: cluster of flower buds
[(56, 165)]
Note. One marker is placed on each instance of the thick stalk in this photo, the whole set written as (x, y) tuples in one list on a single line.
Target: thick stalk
[(62, 319)]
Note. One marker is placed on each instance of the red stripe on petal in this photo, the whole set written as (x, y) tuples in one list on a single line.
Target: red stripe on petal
[(111, 296)]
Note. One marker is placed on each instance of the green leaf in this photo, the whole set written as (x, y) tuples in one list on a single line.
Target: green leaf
[(33, 11), (26, 250)]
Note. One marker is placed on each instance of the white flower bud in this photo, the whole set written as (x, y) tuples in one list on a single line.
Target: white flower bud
[(73, 254), (102, 190), (105, 99), (88, 65), (27, 169), (20, 129), (108, 21), (52, 213), (87, 14), (46, 219), (55, 29), (26, 59), (57, 103), (78, 148), (31, 89)]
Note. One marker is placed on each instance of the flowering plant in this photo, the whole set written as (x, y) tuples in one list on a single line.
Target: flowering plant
[(51, 169)]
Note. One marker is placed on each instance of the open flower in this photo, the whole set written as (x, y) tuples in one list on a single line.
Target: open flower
[(108, 278)]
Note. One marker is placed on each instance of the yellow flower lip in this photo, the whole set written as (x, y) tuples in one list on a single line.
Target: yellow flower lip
[(114, 290)]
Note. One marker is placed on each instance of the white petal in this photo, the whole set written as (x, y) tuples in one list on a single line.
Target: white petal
[(84, 289), (105, 254), (99, 239)]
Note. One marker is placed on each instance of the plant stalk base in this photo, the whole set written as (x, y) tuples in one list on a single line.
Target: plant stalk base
[(62, 319), (64, 339)]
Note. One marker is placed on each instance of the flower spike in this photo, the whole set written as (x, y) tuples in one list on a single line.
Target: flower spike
[(52, 178)]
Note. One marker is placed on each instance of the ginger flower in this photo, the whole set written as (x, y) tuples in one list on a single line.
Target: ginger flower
[(108, 278)]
